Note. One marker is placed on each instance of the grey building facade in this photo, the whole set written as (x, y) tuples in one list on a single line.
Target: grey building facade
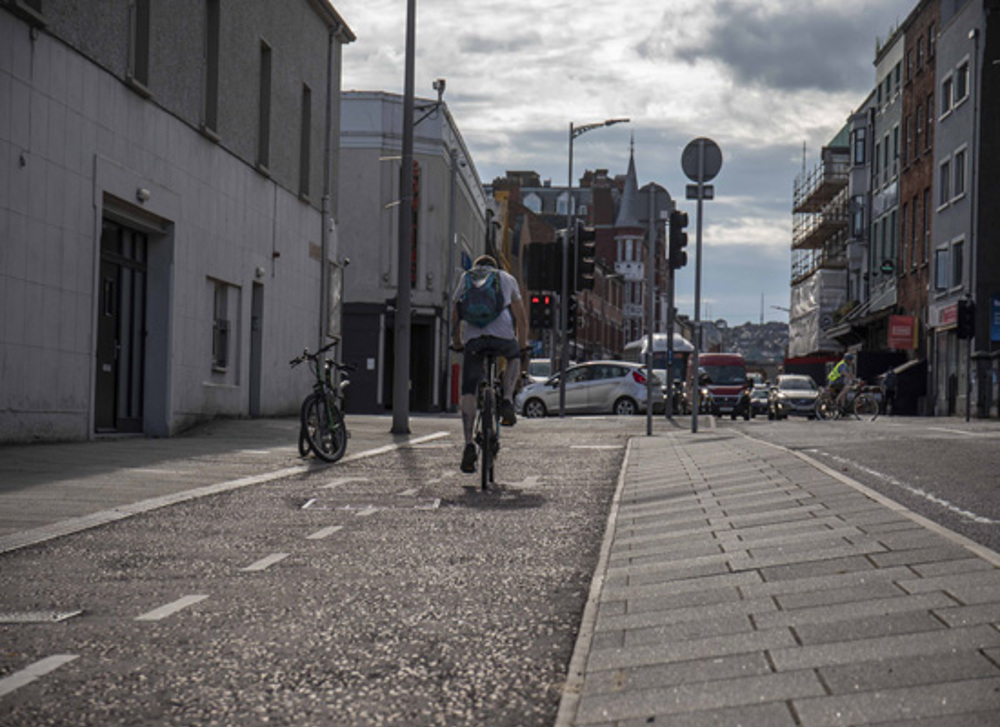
[(164, 169), (451, 213)]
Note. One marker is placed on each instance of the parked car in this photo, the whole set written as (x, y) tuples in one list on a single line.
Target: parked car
[(539, 370), (759, 399), (792, 395), (593, 387)]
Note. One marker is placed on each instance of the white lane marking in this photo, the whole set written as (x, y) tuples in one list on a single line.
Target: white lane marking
[(955, 431), (309, 503), (445, 475), (253, 451), (342, 481), (267, 562), (432, 505), (391, 447), (528, 482), (169, 609), (367, 511), (930, 497), (410, 492), (325, 532), (33, 671), (595, 446)]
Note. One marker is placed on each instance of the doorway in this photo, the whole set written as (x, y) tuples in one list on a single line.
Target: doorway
[(256, 346), (121, 330)]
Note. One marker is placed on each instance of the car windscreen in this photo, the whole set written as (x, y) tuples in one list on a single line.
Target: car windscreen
[(798, 385), (726, 375)]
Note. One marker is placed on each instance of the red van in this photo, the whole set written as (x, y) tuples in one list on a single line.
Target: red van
[(727, 376)]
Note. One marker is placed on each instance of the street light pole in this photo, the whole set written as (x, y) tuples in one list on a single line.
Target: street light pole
[(574, 131)]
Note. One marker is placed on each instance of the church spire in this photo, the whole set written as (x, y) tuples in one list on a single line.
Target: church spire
[(628, 211)]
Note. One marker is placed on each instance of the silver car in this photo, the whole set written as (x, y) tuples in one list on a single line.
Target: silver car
[(593, 387), (793, 394)]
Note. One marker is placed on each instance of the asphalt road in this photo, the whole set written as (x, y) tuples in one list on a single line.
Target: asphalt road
[(388, 590), (944, 469)]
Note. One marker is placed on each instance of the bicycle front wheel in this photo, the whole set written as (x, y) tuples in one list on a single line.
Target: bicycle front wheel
[(325, 428), (824, 407), (866, 407), (488, 421)]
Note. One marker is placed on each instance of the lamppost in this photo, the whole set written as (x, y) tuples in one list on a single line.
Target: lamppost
[(574, 131)]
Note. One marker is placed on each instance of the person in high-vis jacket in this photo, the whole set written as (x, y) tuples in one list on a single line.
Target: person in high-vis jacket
[(840, 376)]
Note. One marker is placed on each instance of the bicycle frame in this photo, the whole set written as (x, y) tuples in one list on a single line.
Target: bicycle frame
[(487, 425), (322, 429)]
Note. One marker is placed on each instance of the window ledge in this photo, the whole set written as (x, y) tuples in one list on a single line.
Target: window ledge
[(27, 12)]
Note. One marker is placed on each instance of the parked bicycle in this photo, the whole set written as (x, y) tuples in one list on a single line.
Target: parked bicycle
[(322, 428), (861, 401)]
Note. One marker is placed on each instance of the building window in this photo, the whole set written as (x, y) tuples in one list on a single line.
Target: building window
[(957, 262), (917, 124), (920, 53), (914, 223), (944, 183), (908, 141), (860, 146), (929, 129), (926, 233), (858, 207), (220, 327), (897, 73), (962, 83), (264, 110), (138, 49), (909, 65), (304, 137), (212, 39), (947, 86), (941, 270), (958, 173), (930, 41), (903, 247), (878, 158), (895, 146)]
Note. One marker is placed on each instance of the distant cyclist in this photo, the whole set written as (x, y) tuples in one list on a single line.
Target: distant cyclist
[(488, 302), (840, 376)]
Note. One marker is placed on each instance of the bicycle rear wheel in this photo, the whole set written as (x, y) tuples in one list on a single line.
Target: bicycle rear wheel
[(325, 428), (488, 420), (866, 407)]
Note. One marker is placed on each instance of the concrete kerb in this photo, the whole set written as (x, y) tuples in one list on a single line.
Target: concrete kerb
[(569, 703), (15, 541)]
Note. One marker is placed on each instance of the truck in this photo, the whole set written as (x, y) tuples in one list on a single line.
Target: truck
[(724, 374)]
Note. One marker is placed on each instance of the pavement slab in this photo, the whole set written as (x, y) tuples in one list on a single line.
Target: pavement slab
[(743, 585)]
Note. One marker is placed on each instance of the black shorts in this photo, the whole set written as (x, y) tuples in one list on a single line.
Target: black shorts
[(472, 359)]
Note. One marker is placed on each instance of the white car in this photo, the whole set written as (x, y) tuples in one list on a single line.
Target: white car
[(593, 387)]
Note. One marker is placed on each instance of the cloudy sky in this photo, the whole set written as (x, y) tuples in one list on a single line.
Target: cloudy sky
[(760, 77)]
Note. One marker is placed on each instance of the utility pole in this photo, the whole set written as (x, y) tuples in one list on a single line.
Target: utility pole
[(401, 345)]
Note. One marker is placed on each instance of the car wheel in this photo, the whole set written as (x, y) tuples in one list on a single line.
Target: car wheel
[(534, 409), (625, 407)]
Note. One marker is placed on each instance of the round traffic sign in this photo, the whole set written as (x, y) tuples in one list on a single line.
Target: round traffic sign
[(711, 160)]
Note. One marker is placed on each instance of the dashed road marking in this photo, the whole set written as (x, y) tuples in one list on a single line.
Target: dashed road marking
[(170, 609), (309, 503), (33, 671), (333, 484), (324, 533), (392, 447), (367, 511), (527, 483), (410, 492), (267, 562)]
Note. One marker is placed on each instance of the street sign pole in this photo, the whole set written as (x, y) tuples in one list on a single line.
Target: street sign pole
[(697, 288), (701, 161)]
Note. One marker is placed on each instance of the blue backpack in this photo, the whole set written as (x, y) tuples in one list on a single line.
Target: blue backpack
[(481, 300)]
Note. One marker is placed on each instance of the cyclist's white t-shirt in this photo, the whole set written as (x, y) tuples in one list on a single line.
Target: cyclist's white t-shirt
[(503, 325)]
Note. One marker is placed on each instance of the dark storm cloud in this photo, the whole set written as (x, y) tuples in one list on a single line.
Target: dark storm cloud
[(811, 48)]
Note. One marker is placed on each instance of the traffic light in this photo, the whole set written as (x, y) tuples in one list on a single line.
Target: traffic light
[(571, 315), (585, 257), (966, 319), (544, 266), (678, 239), (540, 314)]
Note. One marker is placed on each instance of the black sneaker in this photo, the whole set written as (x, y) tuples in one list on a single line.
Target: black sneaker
[(469, 458), (508, 417)]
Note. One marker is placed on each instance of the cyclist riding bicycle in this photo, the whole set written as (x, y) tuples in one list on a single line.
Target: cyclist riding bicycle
[(840, 376), (488, 302)]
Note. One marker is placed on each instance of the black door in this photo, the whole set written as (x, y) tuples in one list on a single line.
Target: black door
[(121, 330)]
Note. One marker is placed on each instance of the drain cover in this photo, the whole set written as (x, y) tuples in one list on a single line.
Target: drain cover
[(37, 617)]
